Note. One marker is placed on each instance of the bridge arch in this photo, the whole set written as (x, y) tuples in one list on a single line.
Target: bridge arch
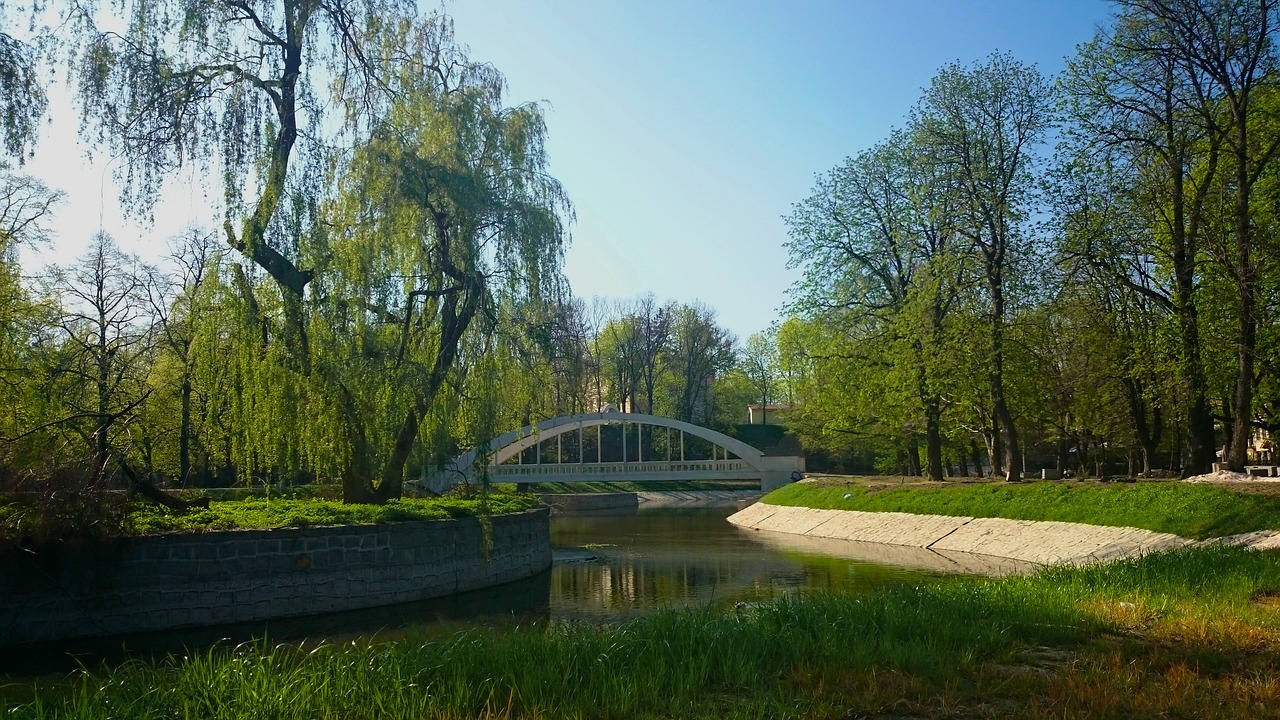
[(506, 446), (748, 463)]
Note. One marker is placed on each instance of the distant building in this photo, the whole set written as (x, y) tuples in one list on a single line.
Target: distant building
[(770, 414), (1261, 450)]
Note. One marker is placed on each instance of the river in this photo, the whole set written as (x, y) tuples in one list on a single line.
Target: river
[(614, 566)]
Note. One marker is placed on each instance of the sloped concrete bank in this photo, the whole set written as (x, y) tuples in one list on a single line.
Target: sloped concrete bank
[(957, 540), (697, 498), (591, 502)]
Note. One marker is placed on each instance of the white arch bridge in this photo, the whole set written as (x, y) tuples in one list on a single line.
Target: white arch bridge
[(579, 448)]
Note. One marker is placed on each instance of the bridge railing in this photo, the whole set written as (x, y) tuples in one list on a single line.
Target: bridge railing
[(617, 468)]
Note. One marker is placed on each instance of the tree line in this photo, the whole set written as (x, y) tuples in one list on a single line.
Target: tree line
[(1076, 272), (386, 287)]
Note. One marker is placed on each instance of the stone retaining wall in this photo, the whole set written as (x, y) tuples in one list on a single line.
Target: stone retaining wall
[(1028, 541), (172, 581)]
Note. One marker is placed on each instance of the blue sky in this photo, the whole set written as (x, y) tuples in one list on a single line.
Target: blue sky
[(684, 131)]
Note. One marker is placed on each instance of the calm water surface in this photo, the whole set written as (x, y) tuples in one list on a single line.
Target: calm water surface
[(613, 566)]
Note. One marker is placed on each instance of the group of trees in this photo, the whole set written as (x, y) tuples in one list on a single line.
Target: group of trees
[(386, 286), (1115, 299), (629, 355), (383, 209)]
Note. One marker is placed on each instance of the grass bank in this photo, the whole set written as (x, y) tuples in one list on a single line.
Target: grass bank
[(1192, 633), (272, 512), (1186, 509)]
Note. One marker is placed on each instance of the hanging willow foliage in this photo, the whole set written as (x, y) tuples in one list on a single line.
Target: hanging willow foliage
[(381, 193), (446, 208)]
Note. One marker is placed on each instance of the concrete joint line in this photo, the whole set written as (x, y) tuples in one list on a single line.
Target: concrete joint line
[(944, 537)]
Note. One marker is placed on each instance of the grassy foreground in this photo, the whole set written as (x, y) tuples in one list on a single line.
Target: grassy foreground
[(1190, 510), (1192, 633)]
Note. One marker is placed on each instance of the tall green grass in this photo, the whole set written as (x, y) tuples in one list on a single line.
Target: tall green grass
[(791, 658), (1189, 510)]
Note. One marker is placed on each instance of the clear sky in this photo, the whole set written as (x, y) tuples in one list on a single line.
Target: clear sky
[(682, 130)]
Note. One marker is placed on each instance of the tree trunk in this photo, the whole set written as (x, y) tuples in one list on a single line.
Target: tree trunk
[(995, 448), (933, 438), (1147, 434), (932, 409), (1247, 326), (184, 435), (1064, 443), (103, 421), (1012, 453), (913, 457), (1200, 441)]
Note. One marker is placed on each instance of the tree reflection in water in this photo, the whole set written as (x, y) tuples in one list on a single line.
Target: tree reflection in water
[(622, 564)]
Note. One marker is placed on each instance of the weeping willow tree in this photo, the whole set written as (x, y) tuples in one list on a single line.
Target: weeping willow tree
[(22, 97), (379, 191), (255, 92), (443, 214)]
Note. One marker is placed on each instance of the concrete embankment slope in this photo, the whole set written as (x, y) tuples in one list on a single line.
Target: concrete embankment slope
[(1024, 541), (593, 502)]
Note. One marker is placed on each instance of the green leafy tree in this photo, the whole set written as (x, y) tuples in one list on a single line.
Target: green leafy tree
[(1134, 107), (25, 205), (1230, 43), (878, 252), (258, 93), (758, 361), (182, 305), (981, 124), (700, 351), (622, 356)]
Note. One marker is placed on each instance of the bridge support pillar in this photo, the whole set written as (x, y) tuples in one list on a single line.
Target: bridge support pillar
[(778, 470)]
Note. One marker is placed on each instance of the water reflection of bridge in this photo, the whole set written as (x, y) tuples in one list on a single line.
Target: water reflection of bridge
[(618, 447)]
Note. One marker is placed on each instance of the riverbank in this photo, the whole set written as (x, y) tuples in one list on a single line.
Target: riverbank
[(997, 528), (1187, 633), (1188, 510), (958, 543)]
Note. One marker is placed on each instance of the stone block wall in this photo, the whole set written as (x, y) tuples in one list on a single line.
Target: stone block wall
[(163, 582)]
